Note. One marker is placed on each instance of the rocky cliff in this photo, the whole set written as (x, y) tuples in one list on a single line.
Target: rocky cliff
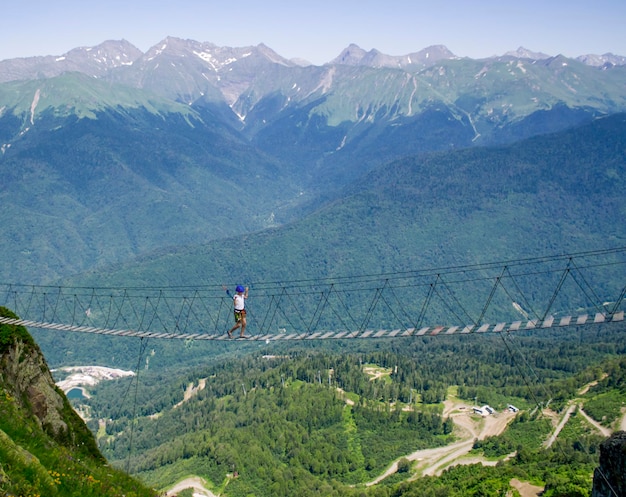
[(609, 479), (26, 378), (45, 447)]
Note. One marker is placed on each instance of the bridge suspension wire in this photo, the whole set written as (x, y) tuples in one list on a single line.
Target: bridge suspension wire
[(522, 294)]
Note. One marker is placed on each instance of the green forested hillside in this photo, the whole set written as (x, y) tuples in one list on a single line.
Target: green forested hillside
[(550, 195), (92, 183), (311, 422), (556, 194)]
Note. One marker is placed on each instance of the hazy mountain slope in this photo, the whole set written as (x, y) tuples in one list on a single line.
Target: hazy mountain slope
[(103, 181), (335, 121), (555, 194), (76, 94), (360, 116), (93, 61), (102, 169)]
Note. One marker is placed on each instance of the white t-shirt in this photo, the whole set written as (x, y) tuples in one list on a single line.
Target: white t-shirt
[(240, 302)]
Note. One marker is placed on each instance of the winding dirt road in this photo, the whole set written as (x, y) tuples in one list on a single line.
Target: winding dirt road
[(194, 482), (469, 427)]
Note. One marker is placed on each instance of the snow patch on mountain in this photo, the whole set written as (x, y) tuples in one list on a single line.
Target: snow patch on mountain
[(33, 106)]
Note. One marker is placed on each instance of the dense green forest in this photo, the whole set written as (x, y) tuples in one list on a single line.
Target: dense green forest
[(308, 420)]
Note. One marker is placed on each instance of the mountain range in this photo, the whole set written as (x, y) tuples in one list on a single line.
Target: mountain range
[(193, 163), (108, 153)]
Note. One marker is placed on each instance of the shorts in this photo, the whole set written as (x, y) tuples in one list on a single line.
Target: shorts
[(239, 315)]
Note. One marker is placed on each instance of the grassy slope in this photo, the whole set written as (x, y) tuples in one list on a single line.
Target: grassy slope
[(33, 462)]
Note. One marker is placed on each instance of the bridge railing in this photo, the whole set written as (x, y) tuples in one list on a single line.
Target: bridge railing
[(571, 290)]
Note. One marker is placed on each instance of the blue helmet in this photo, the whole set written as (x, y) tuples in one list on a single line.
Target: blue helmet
[(240, 289)]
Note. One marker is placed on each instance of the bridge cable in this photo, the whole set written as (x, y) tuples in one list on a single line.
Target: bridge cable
[(527, 303), (402, 308), (142, 347), (370, 311), (429, 295), (339, 315), (144, 313), (188, 305), (540, 383), (606, 480), (543, 386), (447, 305), (32, 295), (190, 310), (118, 308), (297, 312), (276, 303), (216, 320), (557, 289), (595, 300), (458, 303), (148, 302), (395, 315), (108, 313), (269, 308), (134, 311), (170, 312), (87, 308), (493, 291), (296, 308), (56, 305), (346, 308), (320, 304), (618, 302), (78, 317), (70, 300)]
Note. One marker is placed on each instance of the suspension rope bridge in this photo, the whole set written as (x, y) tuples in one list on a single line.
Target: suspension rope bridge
[(524, 294)]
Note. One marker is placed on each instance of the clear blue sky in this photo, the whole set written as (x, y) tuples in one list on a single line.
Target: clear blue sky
[(318, 31)]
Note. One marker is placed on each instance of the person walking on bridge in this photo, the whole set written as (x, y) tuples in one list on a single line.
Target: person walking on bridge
[(239, 301)]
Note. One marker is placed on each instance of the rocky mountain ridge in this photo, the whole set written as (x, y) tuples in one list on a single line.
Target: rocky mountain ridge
[(110, 54), (93, 61), (194, 132), (255, 85), (254, 88)]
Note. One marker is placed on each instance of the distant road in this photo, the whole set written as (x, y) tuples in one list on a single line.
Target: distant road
[(570, 409), (194, 482), (602, 429), (471, 427)]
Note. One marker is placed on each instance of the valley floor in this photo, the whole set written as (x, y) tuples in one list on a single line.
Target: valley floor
[(428, 462), (432, 462), (470, 427)]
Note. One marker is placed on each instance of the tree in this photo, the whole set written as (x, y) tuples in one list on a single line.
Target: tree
[(404, 465)]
